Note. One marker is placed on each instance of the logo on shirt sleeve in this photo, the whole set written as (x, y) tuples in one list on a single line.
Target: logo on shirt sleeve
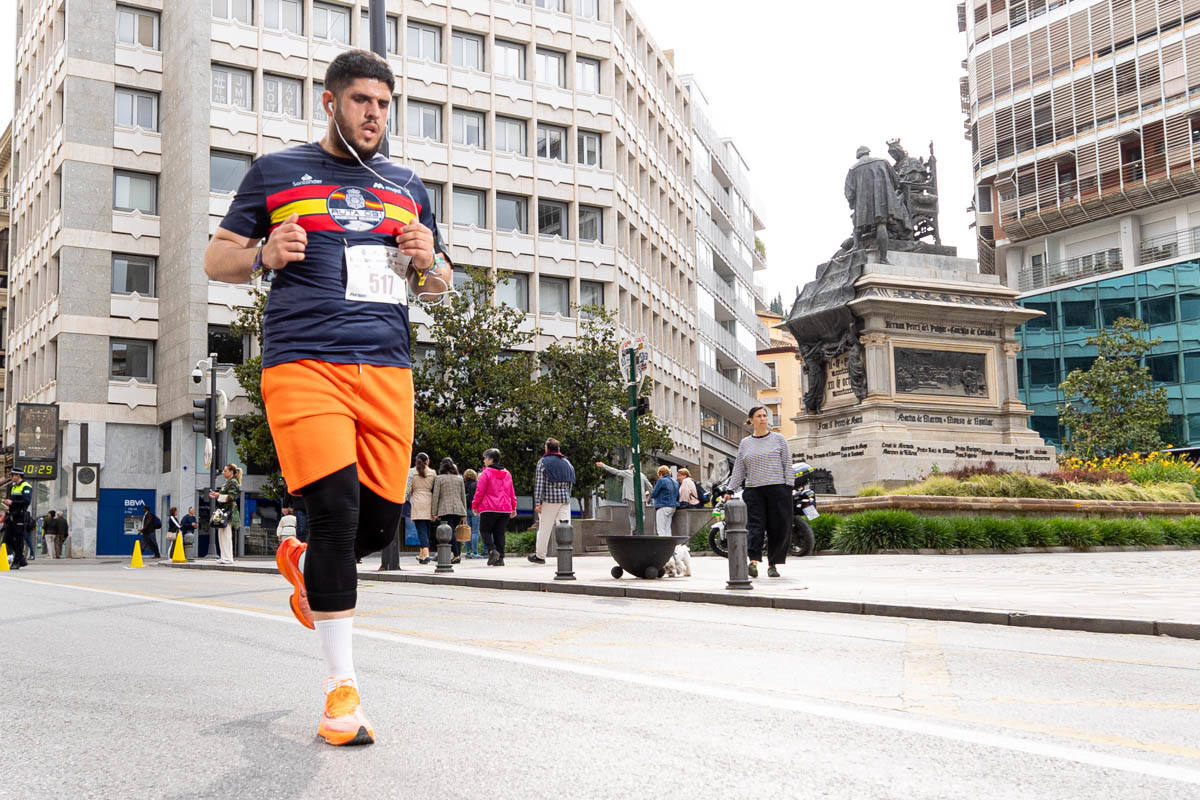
[(356, 209)]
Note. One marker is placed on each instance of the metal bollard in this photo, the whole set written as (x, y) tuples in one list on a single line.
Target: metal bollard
[(564, 535), (444, 535), (735, 540)]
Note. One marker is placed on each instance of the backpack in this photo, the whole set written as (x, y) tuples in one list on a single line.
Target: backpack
[(701, 495)]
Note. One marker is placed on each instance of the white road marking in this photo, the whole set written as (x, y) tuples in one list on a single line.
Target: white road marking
[(897, 721)]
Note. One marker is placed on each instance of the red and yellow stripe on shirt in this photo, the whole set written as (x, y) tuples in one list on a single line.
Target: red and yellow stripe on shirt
[(310, 203)]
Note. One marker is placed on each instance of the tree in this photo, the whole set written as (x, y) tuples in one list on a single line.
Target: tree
[(582, 398), (760, 248), (475, 387), (250, 433), (777, 305), (1114, 407)]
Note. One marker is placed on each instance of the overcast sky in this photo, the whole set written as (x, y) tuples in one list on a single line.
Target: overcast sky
[(799, 86)]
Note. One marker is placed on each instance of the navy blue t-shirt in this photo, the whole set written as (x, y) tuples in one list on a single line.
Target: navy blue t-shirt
[(339, 204)]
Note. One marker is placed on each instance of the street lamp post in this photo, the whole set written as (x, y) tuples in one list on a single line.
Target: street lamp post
[(208, 425), (377, 22)]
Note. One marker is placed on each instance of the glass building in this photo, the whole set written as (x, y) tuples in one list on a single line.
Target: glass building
[(1167, 298)]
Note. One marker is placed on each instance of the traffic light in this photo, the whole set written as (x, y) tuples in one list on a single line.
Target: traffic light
[(202, 416), (643, 406)]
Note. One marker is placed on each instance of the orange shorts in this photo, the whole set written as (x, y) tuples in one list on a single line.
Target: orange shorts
[(326, 416)]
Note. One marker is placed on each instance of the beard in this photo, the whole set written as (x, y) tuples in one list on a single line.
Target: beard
[(350, 140)]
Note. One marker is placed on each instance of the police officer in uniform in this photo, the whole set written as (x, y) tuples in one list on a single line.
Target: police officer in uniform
[(20, 495)]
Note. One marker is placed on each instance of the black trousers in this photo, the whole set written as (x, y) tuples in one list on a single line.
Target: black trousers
[(769, 509), (493, 527), (150, 544), (346, 522), (14, 539)]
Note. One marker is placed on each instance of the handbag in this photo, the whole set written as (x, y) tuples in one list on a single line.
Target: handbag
[(219, 518), (462, 532)]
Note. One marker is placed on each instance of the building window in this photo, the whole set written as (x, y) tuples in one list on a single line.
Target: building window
[(591, 224), (425, 120), (589, 149), (318, 108), (393, 116), (331, 22), (467, 128), (136, 109), (552, 5), (512, 213), (509, 59), (165, 428), (226, 170), (1078, 314), (469, 208), (551, 142), (131, 358), (135, 191), (239, 10), (1043, 372), (1164, 368), (424, 41), (1159, 310), (136, 26), (1113, 310), (772, 379), (514, 291), (282, 96), (588, 8), (554, 296), (284, 15), (1191, 374), (230, 349), (1043, 322), (591, 293), (552, 218), (510, 135), (1045, 426), (232, 87), (391, 25), (435, 191), (587, 75), (466, 49), (133, 274), (552, 67), (984, 202)]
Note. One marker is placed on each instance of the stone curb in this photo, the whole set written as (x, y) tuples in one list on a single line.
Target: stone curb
[(1120, 625)]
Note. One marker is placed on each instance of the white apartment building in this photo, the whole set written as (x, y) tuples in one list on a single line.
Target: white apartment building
[(729, 332), (554, 136)]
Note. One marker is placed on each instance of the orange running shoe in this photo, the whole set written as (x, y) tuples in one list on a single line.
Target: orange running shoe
[(287, 559), (343, 721)]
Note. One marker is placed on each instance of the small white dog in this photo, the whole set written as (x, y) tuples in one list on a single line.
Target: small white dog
[(680, 563)]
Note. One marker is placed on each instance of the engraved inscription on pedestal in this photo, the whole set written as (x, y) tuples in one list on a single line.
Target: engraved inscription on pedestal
[(839, 391), (940, 372)]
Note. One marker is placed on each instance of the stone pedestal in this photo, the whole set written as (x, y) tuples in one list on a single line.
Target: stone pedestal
[(939, 350)]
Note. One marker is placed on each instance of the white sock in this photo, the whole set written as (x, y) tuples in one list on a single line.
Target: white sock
[(337, 645), (300, 561)]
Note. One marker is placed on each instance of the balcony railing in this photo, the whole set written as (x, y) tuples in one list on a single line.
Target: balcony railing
[(1084, 266), (734, 350), (731, 392), (1169, 245)]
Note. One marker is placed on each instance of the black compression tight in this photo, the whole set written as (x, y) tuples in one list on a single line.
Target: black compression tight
[(346, 521)]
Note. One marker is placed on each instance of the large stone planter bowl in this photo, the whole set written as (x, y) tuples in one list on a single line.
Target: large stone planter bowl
[(641, 556)]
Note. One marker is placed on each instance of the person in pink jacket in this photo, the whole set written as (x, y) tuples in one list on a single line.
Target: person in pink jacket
[(496, 503)]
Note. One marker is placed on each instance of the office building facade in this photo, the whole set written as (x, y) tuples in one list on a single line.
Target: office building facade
[(1084, 121), (554, 137), (728, 330)]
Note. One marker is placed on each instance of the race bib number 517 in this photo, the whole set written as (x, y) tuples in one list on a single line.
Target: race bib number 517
[(375, 274)]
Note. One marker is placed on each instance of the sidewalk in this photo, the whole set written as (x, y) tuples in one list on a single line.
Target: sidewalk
[(1144, 592)]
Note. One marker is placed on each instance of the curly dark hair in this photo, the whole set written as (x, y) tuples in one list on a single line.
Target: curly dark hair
[(354, 64)]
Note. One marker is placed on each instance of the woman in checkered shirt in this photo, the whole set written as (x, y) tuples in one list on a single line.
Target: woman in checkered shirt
[(764, 468)]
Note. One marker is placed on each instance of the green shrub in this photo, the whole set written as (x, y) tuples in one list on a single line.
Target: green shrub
[(522, 543), (1184, 531), (699, 541), (872, 531), (1129, 532), (1001, 533), (823, 529), (1078, 533), (937, 533), (872, 491), (1018, 484), (969, 533), (1037, 532)]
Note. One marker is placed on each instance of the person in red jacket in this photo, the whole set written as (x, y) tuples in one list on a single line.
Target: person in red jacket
[(496, 503)]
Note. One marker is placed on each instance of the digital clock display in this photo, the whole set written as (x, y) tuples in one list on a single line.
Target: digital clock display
[(38, 471)]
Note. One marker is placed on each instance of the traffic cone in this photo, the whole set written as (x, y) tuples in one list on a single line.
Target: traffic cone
[(3, 557), (177, 556), (136, 561)]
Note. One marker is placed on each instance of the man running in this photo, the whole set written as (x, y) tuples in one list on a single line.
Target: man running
[(342, 226)]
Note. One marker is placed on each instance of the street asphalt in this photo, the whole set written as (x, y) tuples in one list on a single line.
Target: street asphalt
[(189, 683)]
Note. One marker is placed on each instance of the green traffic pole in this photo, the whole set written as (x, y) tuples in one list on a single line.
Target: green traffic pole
[(633, 438)]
